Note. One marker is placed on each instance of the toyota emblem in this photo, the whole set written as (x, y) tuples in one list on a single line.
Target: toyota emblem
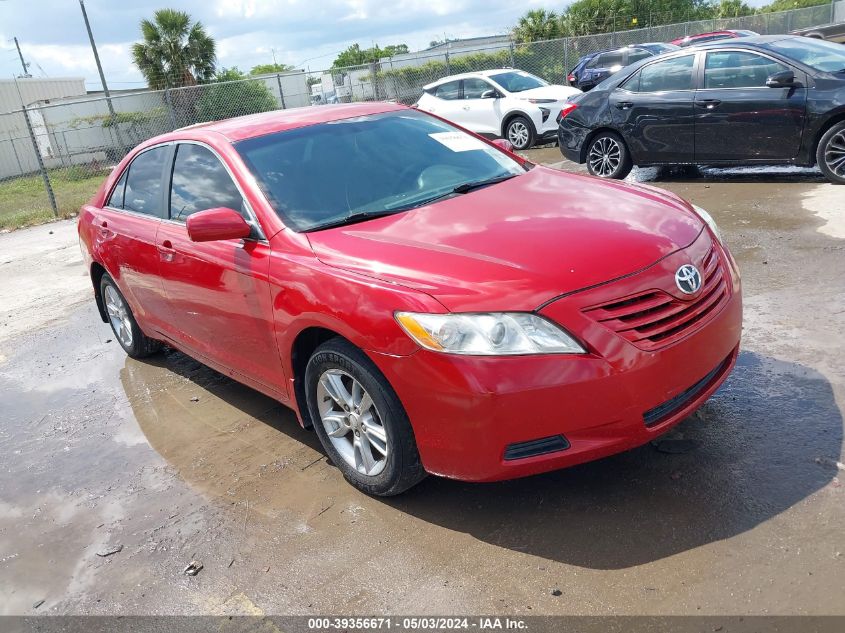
[(688, 279)]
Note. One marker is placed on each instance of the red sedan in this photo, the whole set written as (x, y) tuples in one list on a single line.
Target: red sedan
[(712, 36), (426, 300)]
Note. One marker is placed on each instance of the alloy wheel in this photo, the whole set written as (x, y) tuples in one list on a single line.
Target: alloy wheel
[(834, 154), (118, 315), (352, 422), (605, 156), (518, 134)]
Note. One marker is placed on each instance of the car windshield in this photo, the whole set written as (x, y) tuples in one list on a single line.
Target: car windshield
[(347, 170), (517, 81), (817, 54)]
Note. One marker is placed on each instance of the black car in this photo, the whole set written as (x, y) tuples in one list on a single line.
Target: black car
[(761, 100), (594, 68)]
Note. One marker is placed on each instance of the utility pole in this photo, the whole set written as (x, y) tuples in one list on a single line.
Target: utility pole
[(102, 77), (23, 63)]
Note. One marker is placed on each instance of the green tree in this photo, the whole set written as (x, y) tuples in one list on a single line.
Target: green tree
[(174, 52), (786, 5), (733, 9), (536, 25), (266, 69), (225, 100), (356, 56)]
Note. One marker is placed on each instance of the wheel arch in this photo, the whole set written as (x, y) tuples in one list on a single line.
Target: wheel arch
[(97, 271), (303, 346), (839, 117), (593, 134), (510, 116)]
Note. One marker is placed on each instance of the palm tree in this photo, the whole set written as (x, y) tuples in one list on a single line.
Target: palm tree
[(536, 25), (174, 52)]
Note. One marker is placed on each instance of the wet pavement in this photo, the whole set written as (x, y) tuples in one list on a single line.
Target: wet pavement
[(740, 511)]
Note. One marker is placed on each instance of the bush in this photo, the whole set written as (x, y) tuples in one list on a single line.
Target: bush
[(235, 98)]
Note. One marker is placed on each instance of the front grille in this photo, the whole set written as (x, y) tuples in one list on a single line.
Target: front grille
[(521, 450), (664, 410), (654, 319)]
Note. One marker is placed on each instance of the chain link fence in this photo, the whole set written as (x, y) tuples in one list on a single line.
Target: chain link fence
[(53, 156)]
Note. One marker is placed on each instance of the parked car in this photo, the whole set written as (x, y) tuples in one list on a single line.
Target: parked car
[(505, 103), (427, 301), (829, 32), (765, 100), (712, 36), (594, 68)]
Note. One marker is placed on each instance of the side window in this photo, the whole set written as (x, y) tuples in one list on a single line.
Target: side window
[(737, 69), (200, 182), (116, 198), (609, 60), (474, 88), (637, 54), (449, 90), (143, 184), (671, 74)]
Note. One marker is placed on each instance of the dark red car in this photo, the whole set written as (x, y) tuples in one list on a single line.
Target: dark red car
[(428, 301), (712, 36)]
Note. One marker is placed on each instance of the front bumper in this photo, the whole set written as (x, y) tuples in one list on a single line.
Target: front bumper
[(466, 411)]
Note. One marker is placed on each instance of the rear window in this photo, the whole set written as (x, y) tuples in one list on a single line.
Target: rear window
[(321, 174), (607, 60), (143, 184), (449, 90)]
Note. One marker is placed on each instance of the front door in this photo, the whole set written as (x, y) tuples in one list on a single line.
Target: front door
[(219, 293), (737, 117), (482, 116), (654, 111)]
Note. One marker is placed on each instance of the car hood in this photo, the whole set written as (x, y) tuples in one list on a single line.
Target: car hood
[(517, 244), (560, 93)]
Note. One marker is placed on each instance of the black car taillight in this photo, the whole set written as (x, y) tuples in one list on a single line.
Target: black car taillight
[(566, 110)]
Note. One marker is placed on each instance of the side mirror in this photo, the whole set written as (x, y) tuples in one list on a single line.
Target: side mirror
[(217, 224), (489, 94), (783, 79), (503, 143)]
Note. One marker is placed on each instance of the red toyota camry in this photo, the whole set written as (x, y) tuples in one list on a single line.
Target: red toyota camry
[(426, 300)]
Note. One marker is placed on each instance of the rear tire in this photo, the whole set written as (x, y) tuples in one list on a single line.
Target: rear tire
[(830, 154), (608, 156), (360, 421), (520, 132), (130, 337)]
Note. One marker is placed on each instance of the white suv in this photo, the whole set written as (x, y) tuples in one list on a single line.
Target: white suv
[(506, 103)]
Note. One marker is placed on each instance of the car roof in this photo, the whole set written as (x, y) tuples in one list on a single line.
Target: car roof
[(252, 125), (751, 42), (474, 73)]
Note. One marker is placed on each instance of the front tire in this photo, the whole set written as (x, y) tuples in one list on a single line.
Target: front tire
[(360, 421), (520, 132), (608, 156), (830, 154), (133, 341)]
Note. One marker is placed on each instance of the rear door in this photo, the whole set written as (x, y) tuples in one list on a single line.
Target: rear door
[(218, 292), (126, 230), (447, 101), (737, 117), (482, 116), (654, 111)]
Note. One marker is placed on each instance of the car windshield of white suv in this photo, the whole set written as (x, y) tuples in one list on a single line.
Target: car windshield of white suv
[(352, 170), (517, 81), (827, 57)]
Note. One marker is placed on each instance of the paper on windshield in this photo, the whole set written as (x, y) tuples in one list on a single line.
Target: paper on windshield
[(458, 141)]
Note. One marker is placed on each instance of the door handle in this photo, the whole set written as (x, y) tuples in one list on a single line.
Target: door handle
[(709, 104), (624, 105), (466, 107), (104, 224), (165, 251)]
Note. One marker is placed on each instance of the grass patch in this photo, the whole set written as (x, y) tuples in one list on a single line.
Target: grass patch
[(24, 201)]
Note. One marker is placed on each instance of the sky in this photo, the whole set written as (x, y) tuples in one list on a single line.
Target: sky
[(304, 33)]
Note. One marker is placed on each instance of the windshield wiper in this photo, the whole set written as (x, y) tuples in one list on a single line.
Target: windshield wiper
[(477, 184), (352, 218)]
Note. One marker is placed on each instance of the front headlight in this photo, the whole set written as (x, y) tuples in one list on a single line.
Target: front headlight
[(708, 219), (494, 334)]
